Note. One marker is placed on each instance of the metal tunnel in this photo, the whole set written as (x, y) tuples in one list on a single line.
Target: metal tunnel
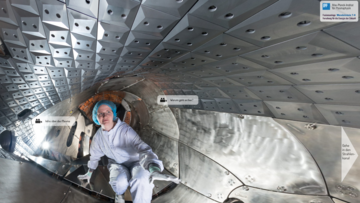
[(277, 90)]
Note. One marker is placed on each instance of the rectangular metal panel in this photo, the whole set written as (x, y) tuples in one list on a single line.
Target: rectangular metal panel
[(325, 145), (165, 147), (183, 194), (24, 182), (235, 141), (204, 175)]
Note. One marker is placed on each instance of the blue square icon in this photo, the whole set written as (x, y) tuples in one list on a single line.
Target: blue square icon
[(326, 6)]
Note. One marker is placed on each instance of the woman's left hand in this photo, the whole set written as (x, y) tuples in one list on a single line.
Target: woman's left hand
[(163, 177)]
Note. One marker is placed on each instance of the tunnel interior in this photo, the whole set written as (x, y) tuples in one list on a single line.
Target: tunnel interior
[(246, 101)]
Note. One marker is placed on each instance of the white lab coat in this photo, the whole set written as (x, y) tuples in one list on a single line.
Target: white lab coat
[(128, 157)]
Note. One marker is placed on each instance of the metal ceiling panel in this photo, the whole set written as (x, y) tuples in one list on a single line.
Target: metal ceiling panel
[(253, 107), (191, 32), (258, 78), (26, 5), (223, 81), (14, 95), (236, 92), (24, 68), (306, 112), (21, 54), (279, 93), (39, 46), (340, 115), (256, 195), (89, 8), (153, 22), (345, 94), (176, 8), (228, 13), (53, 13), (328, 155), (6, 13), (346, 32), (310, 48), (167, 52), (334, 71), (13, 36), (227, 105), (83, 43), (121, 13), (142, 41), (283, 20), (58, 37), (204, 175), (112, 33), (234, 65), (209, 104), (82, 24), (224, 46), (61, 52)]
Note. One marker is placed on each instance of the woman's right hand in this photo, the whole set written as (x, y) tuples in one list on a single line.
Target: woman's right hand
[(86, 176)]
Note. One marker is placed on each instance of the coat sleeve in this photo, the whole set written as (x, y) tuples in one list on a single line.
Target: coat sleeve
[(95, 154), (146, 155)]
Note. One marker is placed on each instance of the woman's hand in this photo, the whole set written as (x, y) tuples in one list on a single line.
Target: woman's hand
[(87, 176)]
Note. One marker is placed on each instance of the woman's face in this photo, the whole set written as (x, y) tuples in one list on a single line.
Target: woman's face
[(105, 116)]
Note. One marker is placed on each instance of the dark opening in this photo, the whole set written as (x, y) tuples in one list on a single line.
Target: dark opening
[(71, 135)]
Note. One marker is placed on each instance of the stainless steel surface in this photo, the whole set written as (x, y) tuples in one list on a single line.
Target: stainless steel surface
[(98, 182), (225, 52), (24, 182), (166, 148), (204, 175), (319, 46), (325, 145), (53, 166), (182, 194), (337, 201), (75, 196), (255, 195), (277, 27), (252, 148), (161, 185)]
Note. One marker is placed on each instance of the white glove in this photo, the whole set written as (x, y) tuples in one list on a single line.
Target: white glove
[(87, 176), (163, 177)]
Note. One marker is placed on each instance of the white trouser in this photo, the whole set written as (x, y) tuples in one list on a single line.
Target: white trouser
[(140, 188)]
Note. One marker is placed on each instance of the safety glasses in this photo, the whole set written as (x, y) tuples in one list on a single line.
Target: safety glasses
[(104, 114)]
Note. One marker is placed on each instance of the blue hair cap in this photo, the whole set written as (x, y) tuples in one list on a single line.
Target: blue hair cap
[(96, 108)]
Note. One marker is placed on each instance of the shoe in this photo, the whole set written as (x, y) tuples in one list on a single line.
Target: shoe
[(119, 199)]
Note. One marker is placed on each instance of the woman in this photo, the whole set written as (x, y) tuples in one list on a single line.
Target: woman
[(131, 161)]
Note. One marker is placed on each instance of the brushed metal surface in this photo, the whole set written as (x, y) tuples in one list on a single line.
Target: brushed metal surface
[(161, 185), (257, 150), (53, 166), (204, 175), (324, 144), (166, 148), (75, 196), (98, 182), (24, 182), (255, 195), (182, 194)]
